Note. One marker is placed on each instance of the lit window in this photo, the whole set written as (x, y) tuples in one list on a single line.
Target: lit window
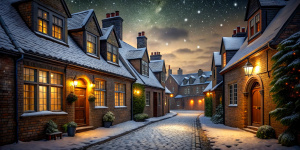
[(100, 93), (42, 21), (147, 98), (28, 97), (251, 27), (91, 44), (233, 94), (112, 53), (257, 23), (119, 94), (57, 27), (254, 25), (43, 76), (224, 59), (56, 98), (56, 78), (115, 54), (43, 91), (29, 74), (145, 68)]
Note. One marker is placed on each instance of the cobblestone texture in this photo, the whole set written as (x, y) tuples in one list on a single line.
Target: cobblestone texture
[(173, 133)]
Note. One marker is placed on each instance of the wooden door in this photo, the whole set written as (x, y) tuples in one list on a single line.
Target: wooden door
[(80, 107), (256, 106), (154, 104)]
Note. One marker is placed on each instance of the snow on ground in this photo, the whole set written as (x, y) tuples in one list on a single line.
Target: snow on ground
[(224, 137), (82, 139)]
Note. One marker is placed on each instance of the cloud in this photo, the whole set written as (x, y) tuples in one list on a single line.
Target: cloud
[(216, 35), (213, 48), (169, 56), (203, 57), (188, 51), (169, 33)]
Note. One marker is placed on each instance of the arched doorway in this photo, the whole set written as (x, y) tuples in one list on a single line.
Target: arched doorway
[(80, 104), (256, 105)]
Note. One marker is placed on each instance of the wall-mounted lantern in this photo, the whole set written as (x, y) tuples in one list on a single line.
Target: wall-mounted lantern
[(248, 68), (171, 95), (136, 91), (75, 81)]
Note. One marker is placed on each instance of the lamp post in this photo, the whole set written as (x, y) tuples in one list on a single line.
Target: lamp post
[(248, 68)]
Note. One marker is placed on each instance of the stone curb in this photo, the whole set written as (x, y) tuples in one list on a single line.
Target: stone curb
[(124, 133)]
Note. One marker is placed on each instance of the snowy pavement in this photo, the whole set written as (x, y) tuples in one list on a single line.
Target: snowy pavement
[(83, 139), (173, 133), (224, 137)]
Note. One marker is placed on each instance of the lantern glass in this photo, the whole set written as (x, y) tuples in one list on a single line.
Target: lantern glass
[(248, 68)]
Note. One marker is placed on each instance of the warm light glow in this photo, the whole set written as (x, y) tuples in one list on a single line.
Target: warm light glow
[(248, 68), (192, 101), (171, 95), (92, 85), (137, 92), (210, 93), (199, 101), (75, 83), (207, 94)]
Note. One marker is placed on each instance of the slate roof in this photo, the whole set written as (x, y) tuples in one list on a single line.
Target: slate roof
[(268, 35), (232, 43), (272, 2), (216, 86), (157, 65), (179, 78), (106, 32), (5, 43), (217, 58), (167, 91), (135, 53), (36, 45), (151, 80), (79, 19), (208, 88), (178, 96)]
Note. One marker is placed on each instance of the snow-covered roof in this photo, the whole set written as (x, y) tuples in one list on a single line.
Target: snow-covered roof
[(167, 91), (5, 43), (180, 78), (217, 86), (157, 65), (208, 87), (178, 96), (33, 44), (79, 19), (135, 53), (233, 43), (267, 36), (106, 32), (217, 58), (151, 80), (272, 2)]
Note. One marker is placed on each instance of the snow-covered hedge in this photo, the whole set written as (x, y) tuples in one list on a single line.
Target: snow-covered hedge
[(265, 132), (287, 139), (218, 117)]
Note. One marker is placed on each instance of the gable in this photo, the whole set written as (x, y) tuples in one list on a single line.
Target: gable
[(145, 57), (112, 39), (91, 26), (58, 5), (252, 7)]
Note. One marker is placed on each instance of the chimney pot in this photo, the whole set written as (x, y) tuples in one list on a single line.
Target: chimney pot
[(143, 33), (234, 32), (140, 33), (238, 29), (112, 14), (169, 66), (151, 53), (243, 29), (117, 13), (107, 15), (154, 53), (158, 53)]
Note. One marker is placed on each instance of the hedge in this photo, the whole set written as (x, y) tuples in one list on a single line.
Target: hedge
[(138, 99), (208, 106)]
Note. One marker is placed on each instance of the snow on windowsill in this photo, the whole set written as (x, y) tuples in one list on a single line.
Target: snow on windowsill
[(232, 105), (97, 107), (44, 113), (120, 106), (147, 105)]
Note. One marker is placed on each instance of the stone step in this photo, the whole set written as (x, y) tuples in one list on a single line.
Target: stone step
[(253, 127), (84, 128), (250, 130)]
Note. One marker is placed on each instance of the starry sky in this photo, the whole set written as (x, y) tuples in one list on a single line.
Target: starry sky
[(185, 32)]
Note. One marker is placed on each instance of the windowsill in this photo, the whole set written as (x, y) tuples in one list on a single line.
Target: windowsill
[(43, 113), (254, 36), (147, 105), (232, 105), (120, 106), (100, 107), (145, 75), (92, 55), (51, 38), (113, 63)]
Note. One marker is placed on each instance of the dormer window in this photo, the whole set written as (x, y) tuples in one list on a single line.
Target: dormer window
[(91, 44), (43, 21), (224, 60), (57, 27), (202, 80), (254, 25), (145, 68), (112, 53)]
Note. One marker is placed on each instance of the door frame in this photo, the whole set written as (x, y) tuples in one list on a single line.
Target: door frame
[(248, 97), (87, 121), (251, 102)]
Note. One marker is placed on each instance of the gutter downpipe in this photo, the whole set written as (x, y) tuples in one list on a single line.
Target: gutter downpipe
[(132, 100)]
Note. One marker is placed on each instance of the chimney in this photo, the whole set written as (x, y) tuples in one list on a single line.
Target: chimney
[(156, 56), (237, 32), (117, 21), (234, 32), (179, 72), (170, 70), (238, 29), (140, 34), (142, 41), (151, 53), (243, 30), (200, 72)]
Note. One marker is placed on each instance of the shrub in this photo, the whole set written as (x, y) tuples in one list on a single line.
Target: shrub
[(138, 99), (208, 106), (72, 124), (265, 132), (65, 127), (51, 127), (72, 97), (109, 117), (287, 139), (218, 117), (92, 98), (141, 117)]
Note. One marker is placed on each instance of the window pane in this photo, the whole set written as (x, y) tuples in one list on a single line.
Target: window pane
[(91, 44), (56, 78), (116, 99), (115, 50), (43, 98), (230, 94), (40, 13), (97, 95), (115, 58), (40, 25), (235, 93), (121, 99), (29, 74), (55, 98), (109, 47), (108, 56), (43, 77), (45, 15), (28, 97)]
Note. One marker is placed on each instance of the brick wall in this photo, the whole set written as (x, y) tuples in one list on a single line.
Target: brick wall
[(149, 109), (78, 38), (55, 4), (25, 10)]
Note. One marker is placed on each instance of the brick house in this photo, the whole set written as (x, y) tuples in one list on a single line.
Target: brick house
[(187, 89), (48, 53), (247, 101)]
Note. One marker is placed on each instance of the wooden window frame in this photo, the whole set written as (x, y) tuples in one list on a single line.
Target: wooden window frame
[(147, 99), (233, 94), (118, 92), (101, 90), (113, 50), (95, 44), (58, 26), (256, 21)]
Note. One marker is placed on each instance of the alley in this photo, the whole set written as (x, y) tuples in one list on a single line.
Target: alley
[(173, 133)]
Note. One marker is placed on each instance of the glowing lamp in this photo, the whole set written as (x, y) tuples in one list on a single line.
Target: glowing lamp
[(171, 95), (138, 91), (75, 81), (248, 68)]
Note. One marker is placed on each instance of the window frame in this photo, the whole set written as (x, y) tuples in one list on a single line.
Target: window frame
[(111, 51), (119, 93), (96, 43), (256, 24), (54, 24), (147, 98), (144, 68), (47, 20), (100, 91), (233, 94), (224, 59), (37, 84)]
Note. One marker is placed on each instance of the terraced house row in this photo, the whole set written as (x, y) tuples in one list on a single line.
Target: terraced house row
[(46, 53)]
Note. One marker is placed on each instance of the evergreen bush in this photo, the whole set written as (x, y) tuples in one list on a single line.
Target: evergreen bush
[(109, 117), (51, 127), (218, 117), (141, 117), (138, 99), (72, 124), (208, 106), (265, 132), (287, 139)]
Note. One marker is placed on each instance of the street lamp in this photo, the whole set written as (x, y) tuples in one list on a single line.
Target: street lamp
[(248, 68)]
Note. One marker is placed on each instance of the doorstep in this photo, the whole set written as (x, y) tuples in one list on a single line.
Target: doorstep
[(84, 128)]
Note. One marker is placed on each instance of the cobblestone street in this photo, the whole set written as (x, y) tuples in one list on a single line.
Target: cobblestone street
[(173, 133)]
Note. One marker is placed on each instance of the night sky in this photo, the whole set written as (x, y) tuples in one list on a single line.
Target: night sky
[(185, 32)]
